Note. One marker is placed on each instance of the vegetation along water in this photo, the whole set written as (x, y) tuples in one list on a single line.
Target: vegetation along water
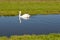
[(32, 37), (11, 7)]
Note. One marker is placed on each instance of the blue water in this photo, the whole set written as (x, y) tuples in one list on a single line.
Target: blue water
[(37, 24)]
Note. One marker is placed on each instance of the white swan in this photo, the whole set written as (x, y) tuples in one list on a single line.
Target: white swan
[(25, 16)]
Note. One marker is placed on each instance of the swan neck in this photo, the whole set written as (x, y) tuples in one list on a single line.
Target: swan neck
[(19, 12)]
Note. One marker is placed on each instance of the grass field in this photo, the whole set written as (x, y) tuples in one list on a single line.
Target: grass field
[(52, 36), (11, 8)]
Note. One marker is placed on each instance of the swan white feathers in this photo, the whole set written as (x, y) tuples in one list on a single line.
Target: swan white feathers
[(24, 16)]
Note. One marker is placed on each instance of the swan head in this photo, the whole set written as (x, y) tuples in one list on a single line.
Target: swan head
[(19, 12)]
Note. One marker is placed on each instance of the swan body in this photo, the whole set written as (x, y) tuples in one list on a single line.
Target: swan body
[(24, 16)]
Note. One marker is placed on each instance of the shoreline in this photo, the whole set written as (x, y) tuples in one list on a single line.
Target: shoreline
[(32, 8), (15, 13), (51, 36)]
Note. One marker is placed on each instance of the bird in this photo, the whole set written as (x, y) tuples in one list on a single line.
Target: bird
[(24, 16)]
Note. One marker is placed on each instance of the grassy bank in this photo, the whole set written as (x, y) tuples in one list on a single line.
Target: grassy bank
[(32, 37), (11, 8)]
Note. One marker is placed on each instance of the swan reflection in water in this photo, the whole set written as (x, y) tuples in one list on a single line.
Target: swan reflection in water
[(24, 16)]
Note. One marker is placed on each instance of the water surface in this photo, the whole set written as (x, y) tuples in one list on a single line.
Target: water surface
[(37, 24)]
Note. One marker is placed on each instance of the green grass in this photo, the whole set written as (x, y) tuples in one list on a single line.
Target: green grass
[(12, 8), (53, 36)]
